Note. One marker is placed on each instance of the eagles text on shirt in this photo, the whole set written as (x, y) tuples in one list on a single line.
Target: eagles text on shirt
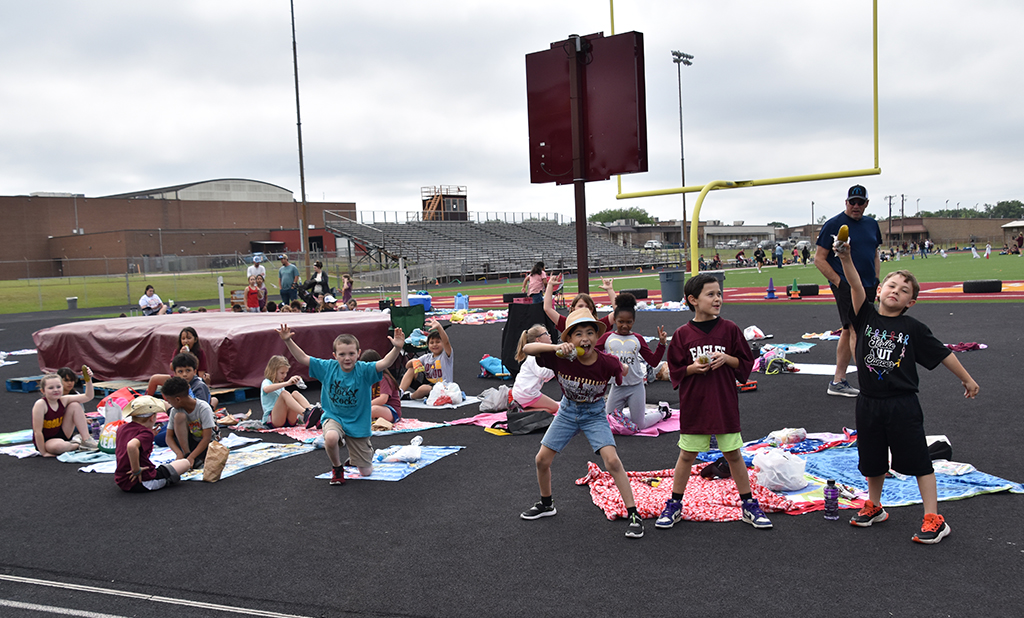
[(705, 350)]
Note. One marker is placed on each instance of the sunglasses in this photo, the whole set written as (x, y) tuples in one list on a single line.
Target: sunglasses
[(856, 201)]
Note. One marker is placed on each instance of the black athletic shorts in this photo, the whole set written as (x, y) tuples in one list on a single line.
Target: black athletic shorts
[(844, 302), (893, 424)]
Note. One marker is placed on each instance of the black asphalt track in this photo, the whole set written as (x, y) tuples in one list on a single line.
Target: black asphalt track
[(448, 541)]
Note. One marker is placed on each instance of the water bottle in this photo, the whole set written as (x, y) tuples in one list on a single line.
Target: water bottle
[(831, 500), (301, 384)]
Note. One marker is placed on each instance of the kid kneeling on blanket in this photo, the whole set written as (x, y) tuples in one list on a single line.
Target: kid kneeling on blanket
[(706, 358), (890, 345), (584, 381), (134, 444), (346, 397)]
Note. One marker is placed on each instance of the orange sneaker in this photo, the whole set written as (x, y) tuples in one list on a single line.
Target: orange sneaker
[(933, 529), (870, 514)]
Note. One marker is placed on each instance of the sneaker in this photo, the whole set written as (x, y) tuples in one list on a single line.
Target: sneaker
[(842, 389), (670, 515), (624, 420), (405, 396), (933, 529), (753, 515), (870, 514), (538, 510), (88, 444), (635, 530), (337, 476)]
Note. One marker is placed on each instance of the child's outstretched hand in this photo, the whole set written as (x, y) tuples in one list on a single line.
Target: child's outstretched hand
[(398, 340), (284, 332), (433, 324), (607, 284), (662, 335), (971, 389)]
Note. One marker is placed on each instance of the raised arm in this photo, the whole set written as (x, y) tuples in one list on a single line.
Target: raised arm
[(549, 293), (397, 343), (821, 263), (89, 393), (857, 292), (608, 285), (436, 326), (286, 335)]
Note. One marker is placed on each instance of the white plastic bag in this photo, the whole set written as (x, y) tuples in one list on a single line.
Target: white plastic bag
[(494, 399), (787, 435), (454, 392), (443, 393), (780, 471)]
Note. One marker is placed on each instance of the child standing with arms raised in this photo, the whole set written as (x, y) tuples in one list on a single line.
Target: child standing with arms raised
[(631, 349), (890, 345), (345, 397), (583, 381), (706, 358)]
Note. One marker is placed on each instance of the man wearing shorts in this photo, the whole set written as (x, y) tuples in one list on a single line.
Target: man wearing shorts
[(865, 238)]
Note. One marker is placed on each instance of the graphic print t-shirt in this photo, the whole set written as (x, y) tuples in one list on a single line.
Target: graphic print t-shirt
[(889, 350), (346, 397), (579, 382)]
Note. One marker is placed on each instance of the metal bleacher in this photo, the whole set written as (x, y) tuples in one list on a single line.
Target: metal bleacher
[(471, 249)]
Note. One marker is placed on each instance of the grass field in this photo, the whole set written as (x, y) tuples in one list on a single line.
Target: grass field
[(50, 294)]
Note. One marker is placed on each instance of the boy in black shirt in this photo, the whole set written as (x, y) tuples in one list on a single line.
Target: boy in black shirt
[(890, 345)]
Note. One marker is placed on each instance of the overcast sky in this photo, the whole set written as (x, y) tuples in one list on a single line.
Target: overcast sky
[(105, 97)]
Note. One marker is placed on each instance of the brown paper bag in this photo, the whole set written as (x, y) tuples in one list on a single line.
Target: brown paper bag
[(380, 424), (216, 458)]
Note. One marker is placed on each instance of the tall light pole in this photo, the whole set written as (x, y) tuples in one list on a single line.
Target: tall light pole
[(304, 223), (680, 59)]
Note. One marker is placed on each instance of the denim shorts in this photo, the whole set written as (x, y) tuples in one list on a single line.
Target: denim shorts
[(574, 417)]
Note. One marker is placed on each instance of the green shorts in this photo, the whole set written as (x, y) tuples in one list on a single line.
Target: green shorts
[(696, 443)]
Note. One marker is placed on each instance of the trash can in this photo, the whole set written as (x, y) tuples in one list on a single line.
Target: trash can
[(718, 274), (672, 285), (72, 302)]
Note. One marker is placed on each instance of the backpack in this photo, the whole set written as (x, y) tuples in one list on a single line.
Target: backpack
[(521, 422)]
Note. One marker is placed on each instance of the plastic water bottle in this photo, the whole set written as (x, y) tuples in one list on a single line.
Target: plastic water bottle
[(831, 500), (301, 384)]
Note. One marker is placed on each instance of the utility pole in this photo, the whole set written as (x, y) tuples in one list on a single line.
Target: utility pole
[(303, 226), (889, 197), (903, 198)]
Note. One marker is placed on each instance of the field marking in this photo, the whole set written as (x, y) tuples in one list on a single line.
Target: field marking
[(145, 597), (63, 611)]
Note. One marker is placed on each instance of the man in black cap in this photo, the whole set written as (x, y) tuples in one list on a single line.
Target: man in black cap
[(865, 238)]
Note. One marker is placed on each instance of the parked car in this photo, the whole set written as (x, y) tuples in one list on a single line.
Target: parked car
[(804, 243), (721, 245), (746, 244), (653, 244)]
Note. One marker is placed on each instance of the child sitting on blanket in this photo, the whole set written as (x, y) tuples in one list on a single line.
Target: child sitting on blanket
[(435, 366), (134, 444), (890, 345), (583, 381), (632, 349), (282, 408), (190, 424), (185, 366), (188, 341), (345, 395), (53, 420), (706, 358), (387, 400), (531, 377), (69, 381)]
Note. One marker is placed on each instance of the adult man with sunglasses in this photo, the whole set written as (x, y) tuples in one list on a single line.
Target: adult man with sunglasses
[(865, 238)]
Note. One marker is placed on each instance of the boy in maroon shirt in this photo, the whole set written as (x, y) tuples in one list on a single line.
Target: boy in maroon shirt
[(583, 373), (706, 358), (134, 444)]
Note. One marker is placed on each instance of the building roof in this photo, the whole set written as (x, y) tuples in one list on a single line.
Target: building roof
[(226, 189), (1014, 224)]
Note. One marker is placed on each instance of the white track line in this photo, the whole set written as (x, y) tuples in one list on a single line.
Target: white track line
[(63, 611), (144, 597)]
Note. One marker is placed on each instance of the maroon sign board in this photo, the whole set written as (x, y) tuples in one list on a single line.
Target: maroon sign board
[(614, 116)]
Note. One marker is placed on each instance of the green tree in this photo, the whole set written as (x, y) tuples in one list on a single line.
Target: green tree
[(614, 214), (777, 224), (1012, 209)]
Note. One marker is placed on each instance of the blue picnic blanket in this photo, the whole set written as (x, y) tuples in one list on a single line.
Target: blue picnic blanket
[(399, 470)]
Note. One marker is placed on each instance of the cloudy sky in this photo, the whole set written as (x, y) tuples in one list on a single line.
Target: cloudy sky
[(106, 97)]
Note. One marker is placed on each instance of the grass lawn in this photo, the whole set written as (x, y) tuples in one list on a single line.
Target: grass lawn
[(50, 294)]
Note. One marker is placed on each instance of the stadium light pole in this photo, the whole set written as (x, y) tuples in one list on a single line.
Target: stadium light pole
[(680, 59), (304, 222)]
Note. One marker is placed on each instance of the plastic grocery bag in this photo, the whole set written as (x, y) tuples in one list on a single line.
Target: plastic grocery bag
[(409, 453), (780, 471)]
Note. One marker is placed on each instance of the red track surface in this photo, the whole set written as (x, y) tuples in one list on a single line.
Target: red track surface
[(1012, 290)]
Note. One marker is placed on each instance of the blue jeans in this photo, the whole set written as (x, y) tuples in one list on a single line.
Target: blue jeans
[(575, 417), (288, 295)]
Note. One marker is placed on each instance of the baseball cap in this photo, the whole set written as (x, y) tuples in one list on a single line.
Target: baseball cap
[(330, 299), (282, 257), (857, 191)]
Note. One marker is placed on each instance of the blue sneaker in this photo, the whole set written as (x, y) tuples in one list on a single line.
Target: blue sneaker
[(753, 515), (670, 515)]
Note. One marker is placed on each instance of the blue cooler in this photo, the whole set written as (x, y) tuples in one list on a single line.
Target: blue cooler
[(420, 299)]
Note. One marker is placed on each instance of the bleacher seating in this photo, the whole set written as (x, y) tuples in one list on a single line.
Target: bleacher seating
[(491, 247)]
